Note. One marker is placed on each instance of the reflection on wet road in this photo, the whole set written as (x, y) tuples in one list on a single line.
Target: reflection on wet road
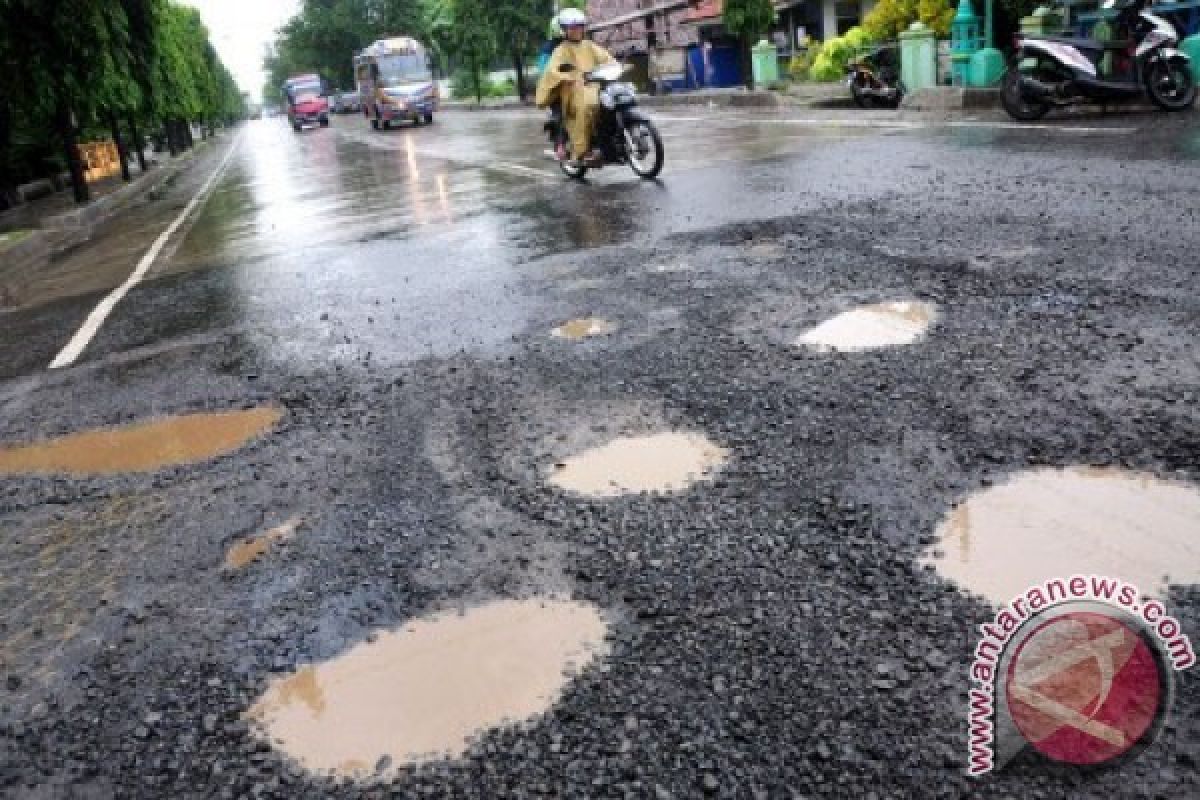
[(335, 244)]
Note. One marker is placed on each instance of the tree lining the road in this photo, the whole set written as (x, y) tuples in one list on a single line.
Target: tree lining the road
[(78, 69), (472, 35)]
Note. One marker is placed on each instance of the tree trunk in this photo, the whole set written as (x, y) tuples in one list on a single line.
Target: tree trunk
[(138, 145), (169, 134), (188, 139), (122, 152), (747, 61), (477, 78), (66, 132), (519, 67), (8, 181)]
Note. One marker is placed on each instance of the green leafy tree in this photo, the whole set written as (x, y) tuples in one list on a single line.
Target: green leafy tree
[(748, 20), (830, 61), (437, 24), (889, 18), (84, 65), (472, 39), (520, 25), (65, 52)]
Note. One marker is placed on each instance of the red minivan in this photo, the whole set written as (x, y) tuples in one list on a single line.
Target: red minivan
[(306, 102)]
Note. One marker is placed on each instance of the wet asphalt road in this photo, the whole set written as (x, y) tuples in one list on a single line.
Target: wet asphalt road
[(772, 634)]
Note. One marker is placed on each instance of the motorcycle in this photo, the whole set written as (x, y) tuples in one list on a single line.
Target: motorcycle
[(874, 80), (1051, 71), (623, 134)]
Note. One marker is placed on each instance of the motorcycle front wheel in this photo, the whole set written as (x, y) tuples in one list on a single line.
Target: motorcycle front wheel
[(1014, 101), (1171, 86), (645, 149)]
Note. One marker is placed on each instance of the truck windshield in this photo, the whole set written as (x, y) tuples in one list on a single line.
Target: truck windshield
[(301, 91), (397, 69)]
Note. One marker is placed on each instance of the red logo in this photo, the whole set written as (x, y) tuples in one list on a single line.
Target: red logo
[(1085, 688)]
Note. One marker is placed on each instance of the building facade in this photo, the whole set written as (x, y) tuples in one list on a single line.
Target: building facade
[(653, 35), (684, 44)]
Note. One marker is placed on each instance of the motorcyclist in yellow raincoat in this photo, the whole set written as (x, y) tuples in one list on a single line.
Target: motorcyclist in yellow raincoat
[(579, 101)]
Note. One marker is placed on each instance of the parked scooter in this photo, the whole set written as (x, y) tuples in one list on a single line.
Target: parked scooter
[(623, 134), (874, 80), (1056, 70)]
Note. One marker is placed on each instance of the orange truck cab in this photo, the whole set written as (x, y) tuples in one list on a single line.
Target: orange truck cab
[(306, 101)]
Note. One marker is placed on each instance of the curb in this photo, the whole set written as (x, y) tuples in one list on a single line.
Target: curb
[(950, 98), (103, 208)]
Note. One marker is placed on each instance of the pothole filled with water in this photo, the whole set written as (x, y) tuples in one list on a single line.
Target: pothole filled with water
[(421, 693), (583, 328), (246, 551), (660, 462), (870, 327), (140, 447), (1055, 523)]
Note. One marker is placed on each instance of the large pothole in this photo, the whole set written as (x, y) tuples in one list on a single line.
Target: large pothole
[(583, 328), (871, 327), (662, 462), (140, 447), (421, 693), (1055, 523)]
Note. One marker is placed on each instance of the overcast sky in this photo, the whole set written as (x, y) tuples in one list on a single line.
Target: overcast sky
[(240, 29)]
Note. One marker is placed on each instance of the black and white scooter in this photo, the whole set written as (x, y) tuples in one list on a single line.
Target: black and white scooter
[(1052, 71)]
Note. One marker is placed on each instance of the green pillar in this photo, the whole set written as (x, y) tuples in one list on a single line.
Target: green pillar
[(1191, 46), (764, 58), (918, 57), (987, 66), (964, 41)]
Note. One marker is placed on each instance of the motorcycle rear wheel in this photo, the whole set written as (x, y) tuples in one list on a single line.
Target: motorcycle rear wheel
[(1171, 86), (1015, 102)]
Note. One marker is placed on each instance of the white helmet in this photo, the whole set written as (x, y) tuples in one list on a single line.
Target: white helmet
[(571, 17)]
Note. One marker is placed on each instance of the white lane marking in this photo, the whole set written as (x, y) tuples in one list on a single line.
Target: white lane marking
[(518, 168), (809, 123), (95, 320), (842, 122), (1024, 126)]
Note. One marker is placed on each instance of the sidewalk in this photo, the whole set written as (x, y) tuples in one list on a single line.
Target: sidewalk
[(801, 95), (35, 232)]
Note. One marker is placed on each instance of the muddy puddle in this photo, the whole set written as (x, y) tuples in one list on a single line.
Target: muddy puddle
[(140, 447), (583, 328), (1054, 523), (246, 551), (870, 327), (422, 692), (657, 463)]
